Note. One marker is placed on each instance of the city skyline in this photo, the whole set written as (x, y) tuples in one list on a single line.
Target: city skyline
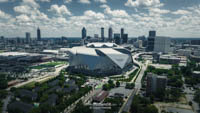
[(174, 18)]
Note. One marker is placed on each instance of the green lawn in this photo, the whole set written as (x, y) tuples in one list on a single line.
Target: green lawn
[(29, 85), (1, 51), (50, 64)]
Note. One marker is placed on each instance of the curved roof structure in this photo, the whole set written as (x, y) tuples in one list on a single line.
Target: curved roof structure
[(100, 58), (101, 45)]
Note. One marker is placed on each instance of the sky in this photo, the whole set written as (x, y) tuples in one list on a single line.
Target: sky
[(56, 18)]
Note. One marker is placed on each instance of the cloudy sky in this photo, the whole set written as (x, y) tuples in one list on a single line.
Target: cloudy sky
[(56, 18)]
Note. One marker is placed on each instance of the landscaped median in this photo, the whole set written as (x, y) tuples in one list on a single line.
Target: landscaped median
[(133, 74)]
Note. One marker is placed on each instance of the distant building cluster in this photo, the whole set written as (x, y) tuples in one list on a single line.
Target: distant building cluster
[(118, 38)]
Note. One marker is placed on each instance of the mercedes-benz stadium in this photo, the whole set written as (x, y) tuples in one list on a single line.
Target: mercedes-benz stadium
[(99, 59)]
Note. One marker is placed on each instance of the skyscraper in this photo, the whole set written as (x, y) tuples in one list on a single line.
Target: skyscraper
[(38, 34), (117, 38), (102, 34), (125, 39), (28, 37), (122, 33), (151, 40), (110, 33), (152, 33), (84, 33)]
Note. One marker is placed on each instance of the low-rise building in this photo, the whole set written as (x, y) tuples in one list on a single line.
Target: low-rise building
[(20, 106), (196, 74), (169, 59), (27, 94), (100, 96)]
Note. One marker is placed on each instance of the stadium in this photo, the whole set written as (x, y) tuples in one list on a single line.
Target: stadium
[(99, 59)]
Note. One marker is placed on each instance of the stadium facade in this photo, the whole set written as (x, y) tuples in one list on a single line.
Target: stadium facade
[(99, 59)]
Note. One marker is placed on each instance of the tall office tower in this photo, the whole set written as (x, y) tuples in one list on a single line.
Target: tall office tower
[(162, 44), (38, 34), (122, 32), (102, 34), (155, 84), (84, 33), (28, 37), (117, 38), (151, 40), (110, 34), (125, 39), (152, 33)]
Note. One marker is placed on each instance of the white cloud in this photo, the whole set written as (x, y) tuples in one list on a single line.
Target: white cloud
[(114, 13), (3, 15), (143, 3), (60, 10), (31, 3), (181, 12), (67, 1), (84, 1), (23, 18), (44, 0), (3, 1), (23, 9), (159, 11), (93, 14), (101, 1)]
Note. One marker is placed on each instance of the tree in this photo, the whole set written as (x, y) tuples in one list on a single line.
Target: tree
[(106, 87), (190, 103), (80, 108), (3, 81), (150, 109), (110, 81), (117, 83)]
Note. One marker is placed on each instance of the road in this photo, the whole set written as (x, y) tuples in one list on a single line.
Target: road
[(53, 74), (190, 96), (84, 99), (5, 103), (127, 104)]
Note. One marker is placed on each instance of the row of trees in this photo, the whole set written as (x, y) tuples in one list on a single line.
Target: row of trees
[(142, 105)]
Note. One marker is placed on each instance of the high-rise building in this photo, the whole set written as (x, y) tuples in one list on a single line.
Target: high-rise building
[(155, 84), (151, 40), (102, 34), (162, 44), (110, 33), (117, 38), (28, 37), (143, 39), (125, 39), (84, 33), (38, 34), (96, 36), (122, 33), (152, 33)]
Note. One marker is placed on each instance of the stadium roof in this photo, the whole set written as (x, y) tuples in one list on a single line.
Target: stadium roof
[(100, 45)]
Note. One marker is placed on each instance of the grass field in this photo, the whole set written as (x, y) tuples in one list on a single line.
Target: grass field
[(29, 85), (49, 64)]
